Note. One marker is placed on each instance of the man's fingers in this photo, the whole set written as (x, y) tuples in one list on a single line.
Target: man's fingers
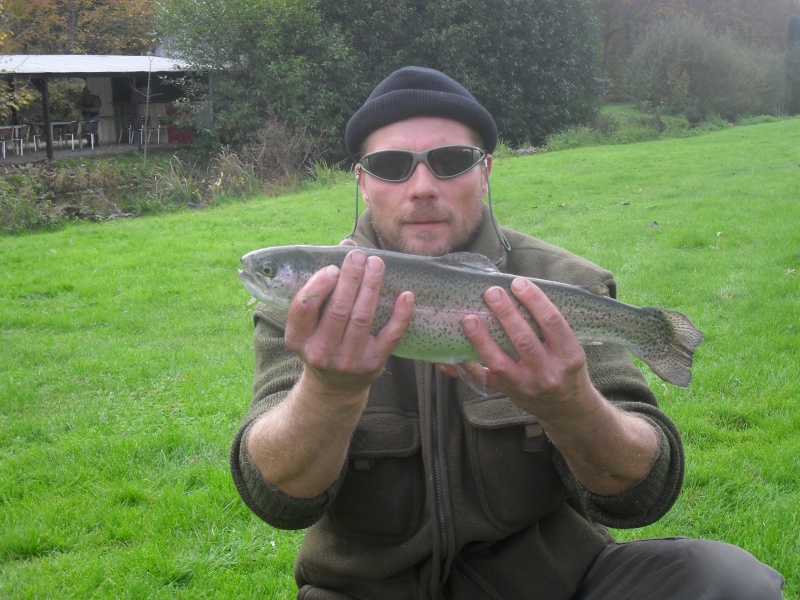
[(522, 335), (391, 334), (553, 327), (341, 301), (305, 309), (323, 306), (362, 310)]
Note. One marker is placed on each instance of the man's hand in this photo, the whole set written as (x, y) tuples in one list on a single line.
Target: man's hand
[(551, 371), (608, 450), (329, 325), (301, 444)]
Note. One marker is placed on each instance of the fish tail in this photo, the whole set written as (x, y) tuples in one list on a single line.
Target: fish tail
[(671, 358)]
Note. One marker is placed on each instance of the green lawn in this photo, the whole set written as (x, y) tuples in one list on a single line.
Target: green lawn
[(127, 357)]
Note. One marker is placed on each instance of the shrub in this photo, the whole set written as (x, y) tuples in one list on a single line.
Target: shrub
[(533, 64), (279, 155), (232, 177), (688, 70), (21, 207)]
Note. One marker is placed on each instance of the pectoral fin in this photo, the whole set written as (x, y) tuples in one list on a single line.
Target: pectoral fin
[(473, 374)]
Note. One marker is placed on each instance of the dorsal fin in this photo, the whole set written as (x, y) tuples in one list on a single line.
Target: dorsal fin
[(470, 260), (600, 289)]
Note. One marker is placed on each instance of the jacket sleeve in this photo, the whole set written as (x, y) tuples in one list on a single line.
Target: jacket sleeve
[(615, 376), (276, 371), (621, 382)]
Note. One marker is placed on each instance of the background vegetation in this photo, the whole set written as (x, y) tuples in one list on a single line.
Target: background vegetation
[(47, 195), (751, 23), (127, 360), (679, 67), (540, 66), (125, 345)]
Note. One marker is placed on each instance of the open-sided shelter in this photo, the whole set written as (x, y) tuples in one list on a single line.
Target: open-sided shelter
[(121, 82)]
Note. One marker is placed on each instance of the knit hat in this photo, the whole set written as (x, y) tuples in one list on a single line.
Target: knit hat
[(415, 92)]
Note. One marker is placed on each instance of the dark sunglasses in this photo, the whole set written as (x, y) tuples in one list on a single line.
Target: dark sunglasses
[(444, 162)]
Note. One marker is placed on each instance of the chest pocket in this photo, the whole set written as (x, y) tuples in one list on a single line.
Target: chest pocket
[(511, 459), (381, 497)]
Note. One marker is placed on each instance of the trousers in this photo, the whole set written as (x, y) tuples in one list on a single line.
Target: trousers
[(675, 567)]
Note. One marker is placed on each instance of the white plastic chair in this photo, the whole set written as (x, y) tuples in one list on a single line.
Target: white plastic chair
[(157, 129), (75, 133), (127, 130), (18, 139)]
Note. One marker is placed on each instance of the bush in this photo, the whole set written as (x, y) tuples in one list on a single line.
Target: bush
[(681, 66), (792, 66), (21, 207), (279, 155), (267, 57), (533, 64)]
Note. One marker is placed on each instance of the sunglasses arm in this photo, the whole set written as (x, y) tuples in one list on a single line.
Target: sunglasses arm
[(500, 235), (358, 187)]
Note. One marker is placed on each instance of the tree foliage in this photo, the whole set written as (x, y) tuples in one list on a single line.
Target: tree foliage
[(792, 66), (685, 68), (753, 23), (78, 27), (532, 63), (268, 57)]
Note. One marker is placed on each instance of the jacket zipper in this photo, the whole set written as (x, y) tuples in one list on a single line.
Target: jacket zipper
[(438, 483), (437, 468)]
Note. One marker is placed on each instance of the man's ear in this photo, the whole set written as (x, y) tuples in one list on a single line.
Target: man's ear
[(360, 185), (487, 171)]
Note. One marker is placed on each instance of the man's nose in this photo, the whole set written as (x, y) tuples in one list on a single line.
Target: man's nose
[(422, 181)]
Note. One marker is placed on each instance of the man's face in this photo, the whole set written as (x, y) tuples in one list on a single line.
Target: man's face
[(425, 215)]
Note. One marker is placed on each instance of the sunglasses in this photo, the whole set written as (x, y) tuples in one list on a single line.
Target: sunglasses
[(444, 162)]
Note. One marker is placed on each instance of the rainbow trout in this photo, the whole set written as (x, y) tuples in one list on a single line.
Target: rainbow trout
[(449, 287)]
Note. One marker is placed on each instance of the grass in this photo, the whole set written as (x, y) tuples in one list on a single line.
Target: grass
[(126, 362), (627, 123)]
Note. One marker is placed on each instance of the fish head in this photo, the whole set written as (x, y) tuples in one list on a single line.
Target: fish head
[(271, 278)]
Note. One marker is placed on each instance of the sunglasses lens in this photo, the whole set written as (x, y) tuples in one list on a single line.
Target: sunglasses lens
[(390, 165), (449, 162), (444, 162)]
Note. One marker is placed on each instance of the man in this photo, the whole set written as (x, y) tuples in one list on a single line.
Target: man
[(90, 109), (410, 484)]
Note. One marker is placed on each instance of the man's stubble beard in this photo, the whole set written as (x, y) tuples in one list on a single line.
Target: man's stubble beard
[(459, 242)]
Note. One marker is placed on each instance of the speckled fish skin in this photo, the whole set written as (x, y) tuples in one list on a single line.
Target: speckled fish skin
[(450, 287)]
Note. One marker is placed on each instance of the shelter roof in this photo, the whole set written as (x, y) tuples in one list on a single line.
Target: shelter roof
[(76, 65)]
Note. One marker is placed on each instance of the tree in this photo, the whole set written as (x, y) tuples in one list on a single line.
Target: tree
[(79, 27), (532, 63), (792, 66), (268, 57), (622, 24), (687, 69)]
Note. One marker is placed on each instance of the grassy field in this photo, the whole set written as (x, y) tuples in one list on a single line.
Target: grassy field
[(127, 357)]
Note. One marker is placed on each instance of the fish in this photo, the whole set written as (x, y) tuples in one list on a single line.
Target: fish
[(450, 287)]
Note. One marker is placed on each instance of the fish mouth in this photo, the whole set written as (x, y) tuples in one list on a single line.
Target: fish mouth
[(253, 284), (262, 288)]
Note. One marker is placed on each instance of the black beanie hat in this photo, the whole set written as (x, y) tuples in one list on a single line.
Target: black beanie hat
[(415, 92)]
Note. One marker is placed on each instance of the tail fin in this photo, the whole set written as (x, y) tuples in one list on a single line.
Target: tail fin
[(671, 356)]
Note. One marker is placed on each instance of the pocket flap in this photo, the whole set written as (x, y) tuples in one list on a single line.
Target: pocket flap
[(385, 432), (493, 412)]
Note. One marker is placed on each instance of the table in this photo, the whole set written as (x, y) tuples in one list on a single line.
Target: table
[(64, 128), (16, 132)]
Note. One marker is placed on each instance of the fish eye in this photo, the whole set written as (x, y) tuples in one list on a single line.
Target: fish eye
[(268, 271)]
